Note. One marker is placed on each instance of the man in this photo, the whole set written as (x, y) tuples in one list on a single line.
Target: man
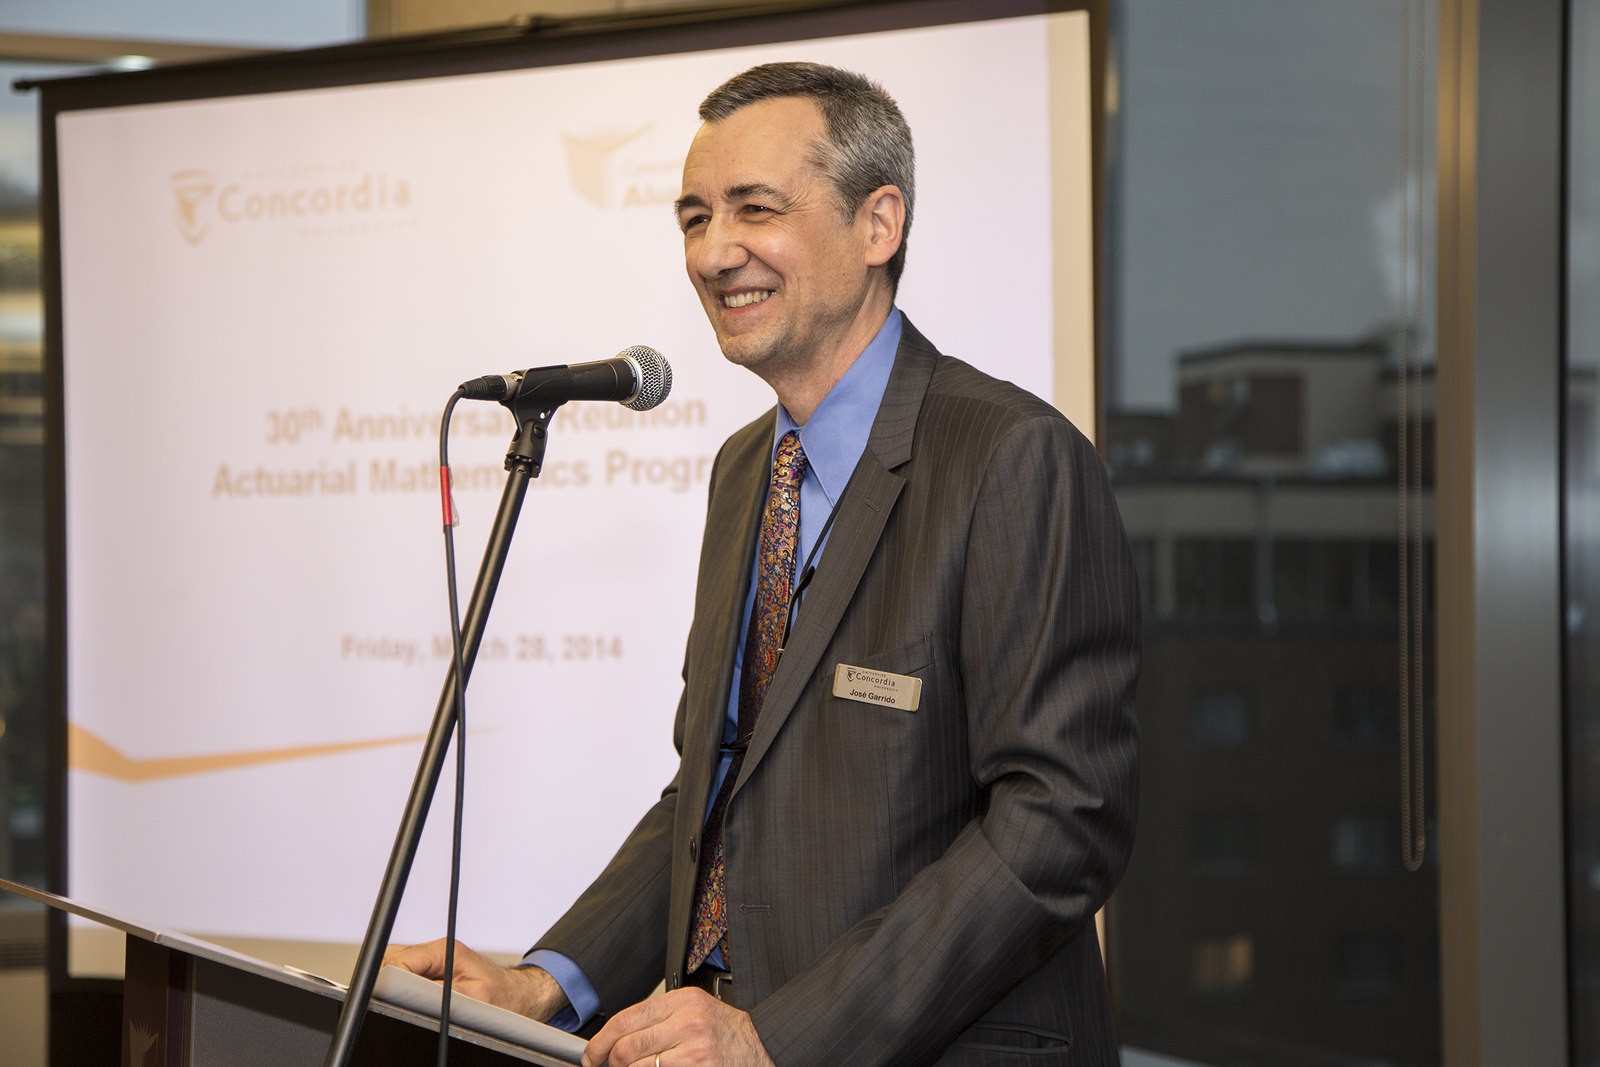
[(908, 761)]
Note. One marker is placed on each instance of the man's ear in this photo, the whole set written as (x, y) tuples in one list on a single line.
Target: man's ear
[(885, 215)]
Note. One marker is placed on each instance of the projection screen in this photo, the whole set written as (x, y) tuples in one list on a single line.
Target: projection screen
[(265, 299)]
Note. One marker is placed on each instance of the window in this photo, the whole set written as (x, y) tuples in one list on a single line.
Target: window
[(1222, 964), (1221, 719), (1270, 274)]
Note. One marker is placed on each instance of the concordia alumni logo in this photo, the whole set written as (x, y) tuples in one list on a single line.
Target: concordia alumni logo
[(621, 170), (344, 198)]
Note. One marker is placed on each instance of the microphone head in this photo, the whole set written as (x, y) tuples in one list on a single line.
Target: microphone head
[(654, 377)]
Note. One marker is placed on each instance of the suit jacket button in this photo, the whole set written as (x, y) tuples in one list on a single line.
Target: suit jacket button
[(694, 848)]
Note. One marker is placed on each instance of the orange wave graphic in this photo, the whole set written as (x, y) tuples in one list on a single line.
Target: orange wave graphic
[(86, 751)]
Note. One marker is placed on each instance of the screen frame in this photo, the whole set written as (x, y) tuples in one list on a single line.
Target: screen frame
[(524, 43)]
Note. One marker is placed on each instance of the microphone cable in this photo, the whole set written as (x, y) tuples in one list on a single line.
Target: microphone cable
[(451, 520)]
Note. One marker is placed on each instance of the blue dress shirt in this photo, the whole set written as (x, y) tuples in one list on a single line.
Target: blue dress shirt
[(834, 440)]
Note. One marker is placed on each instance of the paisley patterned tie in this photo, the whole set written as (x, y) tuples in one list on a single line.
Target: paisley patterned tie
[(780, 524)]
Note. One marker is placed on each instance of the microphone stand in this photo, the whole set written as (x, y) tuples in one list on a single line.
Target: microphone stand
[(523, 462)]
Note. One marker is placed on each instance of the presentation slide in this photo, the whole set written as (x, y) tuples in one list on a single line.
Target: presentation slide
[(267, 300)]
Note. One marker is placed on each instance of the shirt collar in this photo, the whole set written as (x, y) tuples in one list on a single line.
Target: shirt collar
[(836, 435)]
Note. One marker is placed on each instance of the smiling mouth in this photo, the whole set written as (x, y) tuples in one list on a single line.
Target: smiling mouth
[(739, 300)]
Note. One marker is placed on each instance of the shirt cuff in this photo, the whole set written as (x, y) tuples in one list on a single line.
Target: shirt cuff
[(582, 1001)]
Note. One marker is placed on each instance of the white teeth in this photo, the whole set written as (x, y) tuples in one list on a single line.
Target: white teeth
[(739, 300)]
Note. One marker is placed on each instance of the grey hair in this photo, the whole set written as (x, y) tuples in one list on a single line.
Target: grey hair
[(868, 143)]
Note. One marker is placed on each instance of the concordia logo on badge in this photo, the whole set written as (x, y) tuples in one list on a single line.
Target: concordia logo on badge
[(191, 190)]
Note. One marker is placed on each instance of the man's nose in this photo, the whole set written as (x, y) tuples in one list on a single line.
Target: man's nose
[(719, 249)]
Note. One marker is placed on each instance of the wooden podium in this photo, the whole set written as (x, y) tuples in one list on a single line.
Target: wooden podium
[(189, 1003)]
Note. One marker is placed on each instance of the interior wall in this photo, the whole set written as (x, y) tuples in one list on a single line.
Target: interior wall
[(23, 999), (281, 24), (385, 17)]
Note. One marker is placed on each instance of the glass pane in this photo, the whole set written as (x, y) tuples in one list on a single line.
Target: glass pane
[(1583, 532), (1271, 287), (22, 586)]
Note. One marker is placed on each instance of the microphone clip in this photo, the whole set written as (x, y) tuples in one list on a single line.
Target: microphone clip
[(533, 432)]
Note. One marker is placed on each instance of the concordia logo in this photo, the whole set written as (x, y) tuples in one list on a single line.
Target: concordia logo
[(344, 198), (619, 170), (191, 189)]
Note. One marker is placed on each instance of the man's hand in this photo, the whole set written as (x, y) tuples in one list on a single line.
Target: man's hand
[(684, 1028), (527, 991)]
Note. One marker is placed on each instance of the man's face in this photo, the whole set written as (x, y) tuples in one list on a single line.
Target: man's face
[(783, 277)]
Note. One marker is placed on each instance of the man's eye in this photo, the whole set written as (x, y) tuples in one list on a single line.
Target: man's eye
[(757, 209), (690, 222)]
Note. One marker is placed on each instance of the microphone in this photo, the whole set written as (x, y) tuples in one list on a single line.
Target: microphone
[(637, 377)]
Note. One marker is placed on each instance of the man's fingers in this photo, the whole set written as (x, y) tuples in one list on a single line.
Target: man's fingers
[(636, 1034), (629, 1020), (425, 959), (642, 1045)]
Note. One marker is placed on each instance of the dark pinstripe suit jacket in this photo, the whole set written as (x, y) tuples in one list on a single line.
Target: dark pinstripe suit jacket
[(908, 887)]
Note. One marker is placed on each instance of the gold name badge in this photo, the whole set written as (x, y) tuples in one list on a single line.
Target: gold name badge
[(901, 691)]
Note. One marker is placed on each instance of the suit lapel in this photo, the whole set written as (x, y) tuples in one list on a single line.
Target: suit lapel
[(864, 510), (732, 520)]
